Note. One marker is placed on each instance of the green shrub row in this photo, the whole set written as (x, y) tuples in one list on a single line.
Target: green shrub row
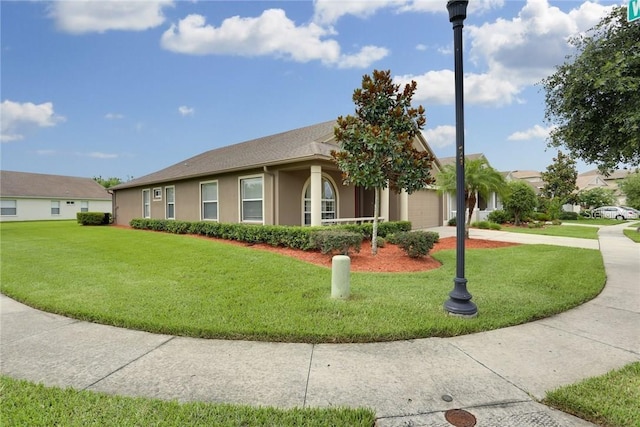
[(486, 225), (341, 241), (93, 218), (415, 244), (296, 237)]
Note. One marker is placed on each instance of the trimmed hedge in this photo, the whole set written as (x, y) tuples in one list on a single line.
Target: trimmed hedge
[(416, 244), (296, 237), (341, 241), (564, 215), (93, 218)]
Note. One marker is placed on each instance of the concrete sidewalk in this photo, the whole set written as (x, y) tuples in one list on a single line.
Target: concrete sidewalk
[(497, 376)]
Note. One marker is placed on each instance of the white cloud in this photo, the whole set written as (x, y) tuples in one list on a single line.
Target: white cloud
[(89, 16), (45, 152), (186, 111), (440, 136), (536, 132), (16, 117), (99, 155), (272, 33), (113, 116)]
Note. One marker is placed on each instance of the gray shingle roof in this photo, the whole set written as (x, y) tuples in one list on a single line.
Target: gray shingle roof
[(24, 184), (294, 145)]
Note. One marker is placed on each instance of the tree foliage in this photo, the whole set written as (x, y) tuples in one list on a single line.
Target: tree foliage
[(630, 187), (560, 178), (596, 197), (107, 182), (479, 178), (592, 99), (377, 143), (520, 201)]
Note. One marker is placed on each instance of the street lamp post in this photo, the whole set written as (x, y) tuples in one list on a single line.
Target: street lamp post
[(459, 302)]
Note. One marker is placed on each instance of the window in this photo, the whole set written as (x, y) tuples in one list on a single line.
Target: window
[(170, 193), (84, 206), (55, 207), (146, 203), (70, 203), (328, 201), (251, 197), (209, 197), (8, 207), (157, 194)]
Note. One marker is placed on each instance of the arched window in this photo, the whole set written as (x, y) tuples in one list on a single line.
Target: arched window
[(329, 201)]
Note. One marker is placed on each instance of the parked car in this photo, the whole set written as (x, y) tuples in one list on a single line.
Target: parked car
[(630, 209), (614, 212)]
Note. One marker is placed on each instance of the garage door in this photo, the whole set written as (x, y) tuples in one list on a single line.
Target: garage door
[(425, 209)]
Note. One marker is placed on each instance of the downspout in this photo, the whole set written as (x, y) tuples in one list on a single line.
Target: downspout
[(113, 206)]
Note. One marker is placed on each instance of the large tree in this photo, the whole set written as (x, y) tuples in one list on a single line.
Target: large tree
[(630, 186), (377, 143), (520, 201), (596, 197), (479, 179), (592, 99), (559, 183)]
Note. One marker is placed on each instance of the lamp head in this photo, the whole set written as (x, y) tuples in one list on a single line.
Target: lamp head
[(457, 10)]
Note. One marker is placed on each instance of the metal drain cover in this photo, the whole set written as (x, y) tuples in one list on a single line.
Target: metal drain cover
[(460, 418)]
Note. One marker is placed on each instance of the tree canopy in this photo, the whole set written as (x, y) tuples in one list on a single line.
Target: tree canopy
[(596, 197), (377, 143), (560, 178), (107, 182), (521, 200), (479, 177), (592, 99), (630, 186)]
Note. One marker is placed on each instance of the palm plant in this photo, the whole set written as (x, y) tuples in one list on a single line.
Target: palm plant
[(479, 179)]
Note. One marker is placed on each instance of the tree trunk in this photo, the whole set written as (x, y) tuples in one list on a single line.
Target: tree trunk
[(471, 205), (376, 214)]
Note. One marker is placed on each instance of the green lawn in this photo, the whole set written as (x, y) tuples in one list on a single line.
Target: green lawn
[(610, 400), (633, 234), (594, 221), (197, 287), (26, 404), (558, 230)]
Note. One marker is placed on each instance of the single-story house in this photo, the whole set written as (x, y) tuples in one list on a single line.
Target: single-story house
[(33, 196), (288, 178)]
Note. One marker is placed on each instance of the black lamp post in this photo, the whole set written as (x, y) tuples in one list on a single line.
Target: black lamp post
[(459, 302)]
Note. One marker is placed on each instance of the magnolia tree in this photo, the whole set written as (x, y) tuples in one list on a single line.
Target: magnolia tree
[(377, 143), (520, 201)]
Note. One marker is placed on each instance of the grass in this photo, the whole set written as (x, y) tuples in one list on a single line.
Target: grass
[(188, 286), (610, 400), (633, 234), (558, 230), (26, 404), (594, 221)]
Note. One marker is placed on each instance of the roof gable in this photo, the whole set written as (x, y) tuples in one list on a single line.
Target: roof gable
[(24, 184)]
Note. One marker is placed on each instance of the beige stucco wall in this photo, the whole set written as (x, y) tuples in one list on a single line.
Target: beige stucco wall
[(425, 209)]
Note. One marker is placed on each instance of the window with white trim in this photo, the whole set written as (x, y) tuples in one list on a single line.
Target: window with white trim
[(55, 207), (329, 202), (84, 206), (8, 207), (170, 194), (157, 194), (209, 197), (251, 199), (146, 203)]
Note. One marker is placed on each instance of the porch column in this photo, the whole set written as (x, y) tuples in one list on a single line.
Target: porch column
[(316, 195), (384, 203), (404, 206)]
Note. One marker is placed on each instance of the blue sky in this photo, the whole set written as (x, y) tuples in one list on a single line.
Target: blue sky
[(122, 89)]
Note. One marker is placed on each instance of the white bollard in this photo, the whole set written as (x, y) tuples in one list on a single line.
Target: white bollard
[(340, 280)]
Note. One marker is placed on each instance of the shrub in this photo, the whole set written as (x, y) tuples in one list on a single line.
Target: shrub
[(381, 242), (452, 221), (535, 224), (341, 241), (416, 244), (495, 226), (485, 225), (564, 215), (499, 216), (93, 218), (541, 216)]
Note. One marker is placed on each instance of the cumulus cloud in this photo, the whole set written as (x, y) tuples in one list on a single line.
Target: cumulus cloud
[(99, 155), (272, 33), (536, 132), (186, 111), (98, 16), (113, 116), (440, 136), (17, 117)]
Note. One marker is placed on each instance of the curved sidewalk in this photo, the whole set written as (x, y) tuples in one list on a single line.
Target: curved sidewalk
[(495, 375)]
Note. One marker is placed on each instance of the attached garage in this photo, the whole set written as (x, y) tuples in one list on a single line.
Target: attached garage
[(425, 209)]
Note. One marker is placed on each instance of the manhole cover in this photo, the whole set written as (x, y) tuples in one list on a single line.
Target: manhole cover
[(460, 418)]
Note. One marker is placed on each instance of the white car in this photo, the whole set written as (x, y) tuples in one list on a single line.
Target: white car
[(614, 212)]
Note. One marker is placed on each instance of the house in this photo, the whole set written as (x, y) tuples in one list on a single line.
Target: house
[(288, 178), (32, 196), (483, 206), (611, 181)]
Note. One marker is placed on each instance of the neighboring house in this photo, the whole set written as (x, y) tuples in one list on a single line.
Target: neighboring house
[(32, 196), (533, 178), (483, 207), (285, 179), (610, 181)]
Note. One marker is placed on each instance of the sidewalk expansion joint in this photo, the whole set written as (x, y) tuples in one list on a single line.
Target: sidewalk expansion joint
[(129, 362), (306, 387), (575, 334)]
